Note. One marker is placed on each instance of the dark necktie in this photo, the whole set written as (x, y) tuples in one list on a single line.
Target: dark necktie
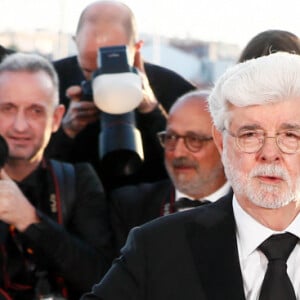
[(188, 203), (276, 284)]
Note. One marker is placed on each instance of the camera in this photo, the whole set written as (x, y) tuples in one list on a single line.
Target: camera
[(87, 91), (116, 89), (112, 60), (117, 86)]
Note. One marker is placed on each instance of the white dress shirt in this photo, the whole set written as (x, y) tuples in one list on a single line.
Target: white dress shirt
[(250, 234)]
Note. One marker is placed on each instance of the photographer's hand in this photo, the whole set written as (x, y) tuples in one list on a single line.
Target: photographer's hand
[(15, 209), (79, 113), (149, 102)]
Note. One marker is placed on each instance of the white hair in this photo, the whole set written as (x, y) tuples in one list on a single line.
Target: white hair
[(266, 79)]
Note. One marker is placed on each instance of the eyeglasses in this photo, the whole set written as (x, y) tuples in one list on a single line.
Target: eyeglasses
[(192, 142), (251, 141)]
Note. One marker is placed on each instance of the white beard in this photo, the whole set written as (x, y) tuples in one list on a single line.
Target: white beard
[(259, 193)]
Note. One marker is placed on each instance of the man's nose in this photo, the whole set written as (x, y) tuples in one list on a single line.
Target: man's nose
[(270, 150), (180, 147), (20, 121)]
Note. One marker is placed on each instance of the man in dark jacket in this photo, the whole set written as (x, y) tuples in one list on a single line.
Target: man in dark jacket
[(101, 24), (193, 164), (55, 238), (246, 245)]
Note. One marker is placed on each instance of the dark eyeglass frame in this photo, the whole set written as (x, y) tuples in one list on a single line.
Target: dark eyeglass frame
[(200, 139), (262, 139)]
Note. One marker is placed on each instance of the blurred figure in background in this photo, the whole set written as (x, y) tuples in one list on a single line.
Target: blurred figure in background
[(270, 41), (193, 164), (102, 24)]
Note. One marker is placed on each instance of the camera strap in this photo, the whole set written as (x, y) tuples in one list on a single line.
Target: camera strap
[(167, 206), (63, 175), (61, 203)]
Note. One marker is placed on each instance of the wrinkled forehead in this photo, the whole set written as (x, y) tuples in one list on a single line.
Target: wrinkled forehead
[(102, 31), (273, 116), (27, 86), (190, 115)]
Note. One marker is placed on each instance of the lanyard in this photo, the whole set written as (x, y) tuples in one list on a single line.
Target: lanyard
[(167, 206)]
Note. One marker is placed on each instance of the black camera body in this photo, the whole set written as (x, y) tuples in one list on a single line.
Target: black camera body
[(111, 60), (87, 91)]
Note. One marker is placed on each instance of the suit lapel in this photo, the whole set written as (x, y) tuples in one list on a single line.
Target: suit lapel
[(217, 259)]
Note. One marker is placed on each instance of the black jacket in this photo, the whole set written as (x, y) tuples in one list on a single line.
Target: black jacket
[(79, 251), (135, 205), (167, 86), (190, 255)]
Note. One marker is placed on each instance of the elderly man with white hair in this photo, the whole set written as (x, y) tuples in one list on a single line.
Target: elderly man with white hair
[(246, 245)]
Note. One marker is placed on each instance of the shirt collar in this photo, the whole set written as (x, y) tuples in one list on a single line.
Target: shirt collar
[(250, 233), (219, 193)]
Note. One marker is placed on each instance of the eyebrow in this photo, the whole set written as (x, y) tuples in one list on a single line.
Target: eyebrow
[(250, 127), (290, 126), (285, 126), (189, 132)]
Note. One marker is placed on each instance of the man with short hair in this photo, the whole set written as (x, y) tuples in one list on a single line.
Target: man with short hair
[(103, 24), (55, 238), (193, 164), (244, 246)]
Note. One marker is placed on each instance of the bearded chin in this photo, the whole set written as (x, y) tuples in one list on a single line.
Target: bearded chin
[(259, 193), (268, 196)]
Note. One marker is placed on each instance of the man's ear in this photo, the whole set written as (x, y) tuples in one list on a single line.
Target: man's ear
[(218, 139), (57, 117), (138, 45), (137, 58)]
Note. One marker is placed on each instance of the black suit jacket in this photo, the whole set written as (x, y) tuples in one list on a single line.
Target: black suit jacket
[(167, 86), (190, 255), (135, 205)]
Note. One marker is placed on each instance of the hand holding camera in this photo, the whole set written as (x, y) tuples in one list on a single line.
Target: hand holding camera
[(15, 209), (120, 90), (79, 114), (149, 102)]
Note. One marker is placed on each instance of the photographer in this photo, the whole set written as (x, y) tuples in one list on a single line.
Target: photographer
[(102, 24), (55, 238)]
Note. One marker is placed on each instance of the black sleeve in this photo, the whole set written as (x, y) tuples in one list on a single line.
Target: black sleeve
[(126, 278), (118, 226), (60, 146), (82, 252), (149, 124), (166, 84)]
